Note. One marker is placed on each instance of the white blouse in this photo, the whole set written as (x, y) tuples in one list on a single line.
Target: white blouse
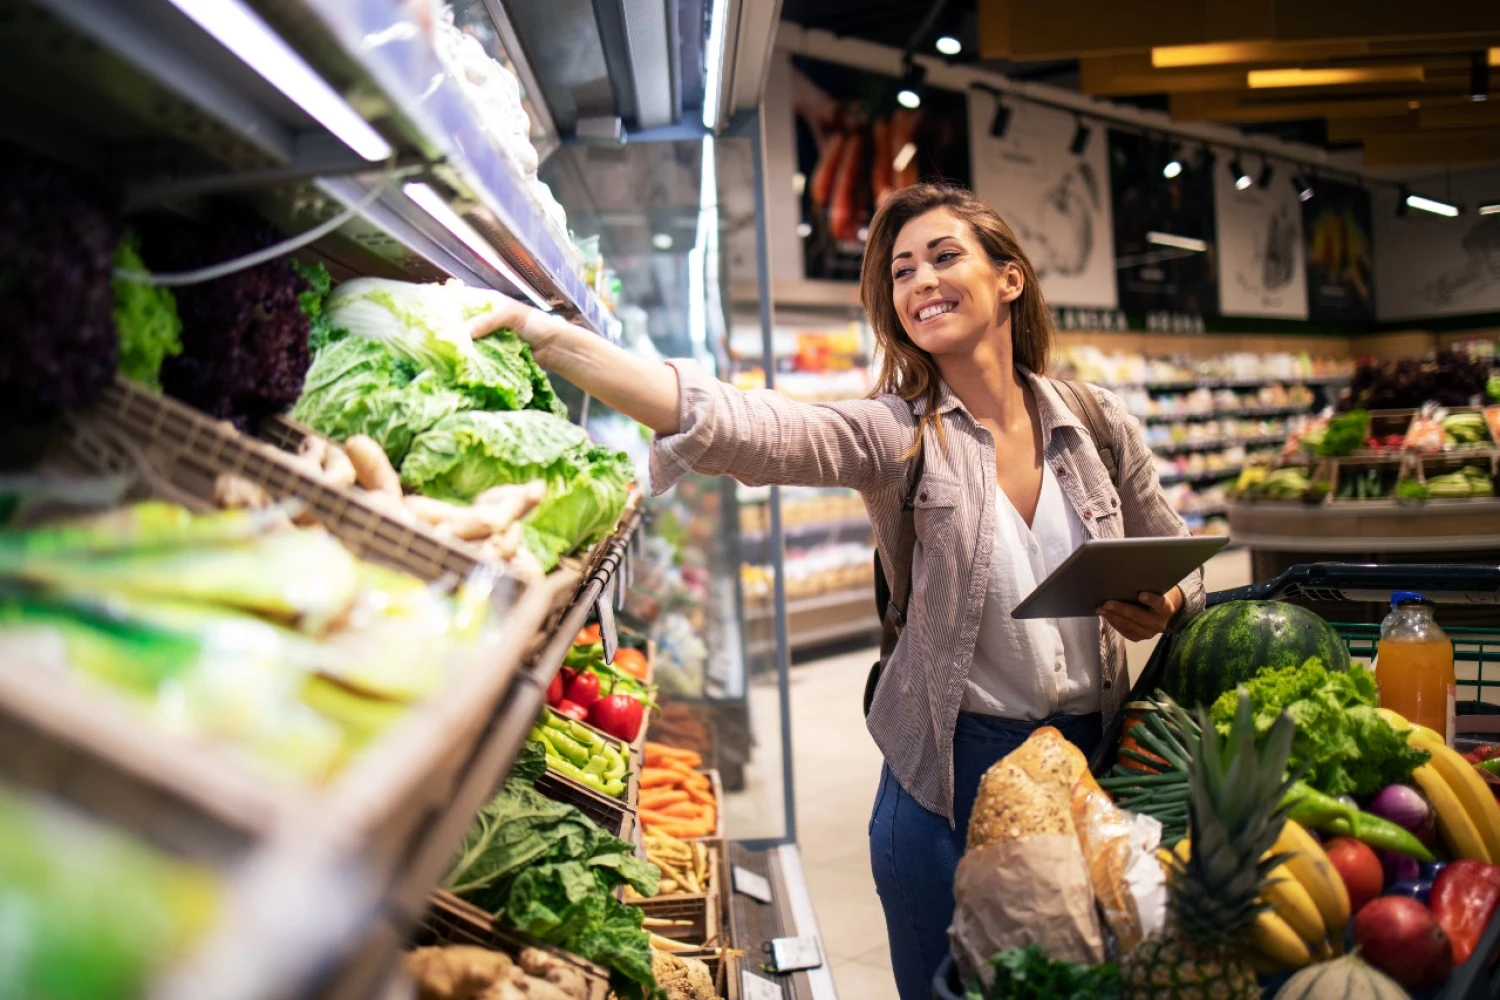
[(1032, 668)]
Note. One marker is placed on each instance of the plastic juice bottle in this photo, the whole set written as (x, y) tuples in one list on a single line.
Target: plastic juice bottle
[(1414, 665)]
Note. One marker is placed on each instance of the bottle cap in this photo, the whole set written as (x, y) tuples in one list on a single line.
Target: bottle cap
[(1400, 597)]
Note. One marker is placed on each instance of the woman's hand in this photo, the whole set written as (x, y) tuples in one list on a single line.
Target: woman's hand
[(532, 325), (1148, 618)]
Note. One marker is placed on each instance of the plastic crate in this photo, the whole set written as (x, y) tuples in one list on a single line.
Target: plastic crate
[(1476, 655)]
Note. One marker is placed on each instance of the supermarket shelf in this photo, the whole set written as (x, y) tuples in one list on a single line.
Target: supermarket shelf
[(822, 602), (811, 529), (1202, 477), (1203, 513), (1180, 448), (151, 79), (1242, 413), (1207, 382)]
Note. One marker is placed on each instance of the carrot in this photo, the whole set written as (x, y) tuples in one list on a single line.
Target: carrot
[(682, 810), (827, 169), (683, 831), (658, 777), (660, 751), (650, 817), (655, 798), (702, 796)]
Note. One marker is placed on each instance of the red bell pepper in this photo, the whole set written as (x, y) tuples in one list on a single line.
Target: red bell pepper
[(555, 689), (584, 689), (572, 710), (1464, 899), (619, 715)]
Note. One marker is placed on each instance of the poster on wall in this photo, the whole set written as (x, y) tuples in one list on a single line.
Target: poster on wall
[(856, 145), (1164, 228), (1340, 248), (1261, 256), (1056, 200), (1431, 265)]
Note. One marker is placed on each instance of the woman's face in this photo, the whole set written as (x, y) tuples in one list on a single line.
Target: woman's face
[(944, 287)]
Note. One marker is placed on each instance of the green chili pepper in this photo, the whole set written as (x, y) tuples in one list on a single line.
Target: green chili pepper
[(1313, 809)]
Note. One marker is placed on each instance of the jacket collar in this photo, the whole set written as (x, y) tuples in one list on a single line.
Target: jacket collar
[(1050, 407)]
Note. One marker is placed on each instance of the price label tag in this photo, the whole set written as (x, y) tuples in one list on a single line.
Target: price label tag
[(791, 954), (753, 987), (752, 885), (606, 613)]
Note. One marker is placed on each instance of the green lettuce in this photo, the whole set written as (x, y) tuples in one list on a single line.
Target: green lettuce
[(469, 452), (146, 320), (1344, 744)]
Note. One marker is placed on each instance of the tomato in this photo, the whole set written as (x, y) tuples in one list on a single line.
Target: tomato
[(584, 690), (632, 661), (619, 715), (555, 689), (572, 710), (1359, 867), (589, 637)]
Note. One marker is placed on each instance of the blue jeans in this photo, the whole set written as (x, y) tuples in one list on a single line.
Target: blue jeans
[(914, 853)]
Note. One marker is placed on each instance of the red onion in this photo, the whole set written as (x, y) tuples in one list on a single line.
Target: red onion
[(1399, 867), (1404, 806)]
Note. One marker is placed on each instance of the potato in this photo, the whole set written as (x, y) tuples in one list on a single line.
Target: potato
[(233, 492), (337, 469), (372, 468)]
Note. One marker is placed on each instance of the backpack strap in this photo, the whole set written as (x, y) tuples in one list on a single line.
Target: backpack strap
[(1085, 406), (893, 617)]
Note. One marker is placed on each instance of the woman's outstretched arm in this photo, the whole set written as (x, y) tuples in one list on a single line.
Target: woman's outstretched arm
[(642, 389)]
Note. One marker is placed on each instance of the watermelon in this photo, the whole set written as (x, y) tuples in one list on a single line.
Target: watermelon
[(1230, 643)]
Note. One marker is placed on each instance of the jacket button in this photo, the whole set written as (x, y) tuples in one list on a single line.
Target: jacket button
[(1061, 471), (1114, 503), (1088, 514), (922, 496), (1106, 685)]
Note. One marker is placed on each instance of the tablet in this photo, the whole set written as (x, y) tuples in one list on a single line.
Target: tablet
[(1115, 569)]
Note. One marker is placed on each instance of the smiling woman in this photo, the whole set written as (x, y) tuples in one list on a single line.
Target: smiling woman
[(980, 474)]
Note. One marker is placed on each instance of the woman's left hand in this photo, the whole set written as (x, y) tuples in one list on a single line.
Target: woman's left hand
[(1148, 618)]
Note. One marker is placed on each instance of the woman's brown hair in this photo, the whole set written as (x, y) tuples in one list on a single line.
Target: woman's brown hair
[(905, 369)]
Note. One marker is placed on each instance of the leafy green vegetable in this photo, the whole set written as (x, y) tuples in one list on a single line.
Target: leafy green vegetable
[(1342, 435), (146, 320), (469, 452), (321, 330), (531, 762), (551, 872), (1344, 744), (1411, 489), (1028, 974)]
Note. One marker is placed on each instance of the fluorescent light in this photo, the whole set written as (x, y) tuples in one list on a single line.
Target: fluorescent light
[(1429, 205), (1264, 78), (1492, 209), (804, 229), (662, 241), (1180, 242), (432, 203), (714, 70), (904, 156), (242, 32), (909, 98), (1172, 169), (949, 46), (1242, 182)]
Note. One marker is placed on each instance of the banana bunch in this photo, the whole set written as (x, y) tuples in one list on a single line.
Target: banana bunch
[(1308, 905), (1465, 429), (1285, 484), (1465, 484), (1468, 817)]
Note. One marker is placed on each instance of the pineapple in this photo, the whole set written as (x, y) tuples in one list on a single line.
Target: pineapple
[(1235, 815)]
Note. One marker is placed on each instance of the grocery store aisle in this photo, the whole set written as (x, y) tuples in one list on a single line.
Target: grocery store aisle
[(837, 767)]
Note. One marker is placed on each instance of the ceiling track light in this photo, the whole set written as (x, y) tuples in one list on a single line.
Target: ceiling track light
[(1402, 193), (948, 45), (1492, 208), (1432, 205), (1479, 77), (1303, 185), (1001, 122), (1267, 172), (1081, 133), (1172, 168), (1242, 180), (910, 94)]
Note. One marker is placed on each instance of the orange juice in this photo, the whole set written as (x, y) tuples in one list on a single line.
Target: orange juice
[(1414, 668)]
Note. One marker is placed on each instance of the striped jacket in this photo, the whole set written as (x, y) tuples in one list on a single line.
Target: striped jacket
[(763, 438)]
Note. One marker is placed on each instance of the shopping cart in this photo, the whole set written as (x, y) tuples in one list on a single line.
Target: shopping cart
[(1476, 658)]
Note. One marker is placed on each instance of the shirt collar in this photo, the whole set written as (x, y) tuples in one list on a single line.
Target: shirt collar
[(1050, 407)]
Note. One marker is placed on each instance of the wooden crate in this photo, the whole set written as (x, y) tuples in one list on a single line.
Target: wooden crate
[(701, 909), (450, 920), (724, 965), (613, 815)]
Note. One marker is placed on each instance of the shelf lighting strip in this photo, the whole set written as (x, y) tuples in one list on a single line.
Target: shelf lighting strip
[(242, 32), (432, 203)]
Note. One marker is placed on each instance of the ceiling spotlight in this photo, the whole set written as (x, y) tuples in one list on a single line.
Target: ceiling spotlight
[(1266, 173), (1302, 184), (1001, 121), (1080, 142), (1492, 208), (1237, 171), (662, 241), (910, 94), (949, 46), (1172, 169), (1432, 205), (1479, 77)]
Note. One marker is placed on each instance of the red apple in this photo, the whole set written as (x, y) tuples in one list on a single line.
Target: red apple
[(1401, 937), (1360, 869)]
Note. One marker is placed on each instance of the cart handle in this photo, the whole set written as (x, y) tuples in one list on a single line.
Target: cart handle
[(1444, 583)]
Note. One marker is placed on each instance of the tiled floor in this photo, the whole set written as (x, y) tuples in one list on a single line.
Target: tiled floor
[(836, 769)]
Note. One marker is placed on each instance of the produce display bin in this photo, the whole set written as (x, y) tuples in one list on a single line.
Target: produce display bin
[(701, 909), (614, 816), (724, 965), (1476, 656), (451, 921)]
